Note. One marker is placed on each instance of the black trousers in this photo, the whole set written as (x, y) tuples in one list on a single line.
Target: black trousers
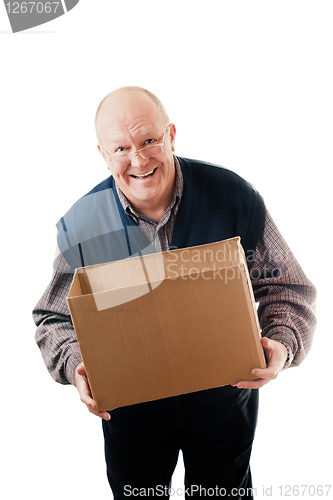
[(213, 428)]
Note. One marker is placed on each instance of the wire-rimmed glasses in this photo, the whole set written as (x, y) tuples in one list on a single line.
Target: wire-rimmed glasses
[(145, 153)]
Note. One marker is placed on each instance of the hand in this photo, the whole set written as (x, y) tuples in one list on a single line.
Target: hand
[(81, 382), (276, 355)]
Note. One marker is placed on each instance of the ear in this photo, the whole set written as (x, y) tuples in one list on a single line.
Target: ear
[(172, 133), (101, 150)]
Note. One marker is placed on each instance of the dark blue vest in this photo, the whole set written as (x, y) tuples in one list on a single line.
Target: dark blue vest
[(216, 204)]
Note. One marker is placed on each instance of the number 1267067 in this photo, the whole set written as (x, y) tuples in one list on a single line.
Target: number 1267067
[(32, 7)]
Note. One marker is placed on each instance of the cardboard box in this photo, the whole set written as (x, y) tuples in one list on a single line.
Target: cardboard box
[(168, 323)]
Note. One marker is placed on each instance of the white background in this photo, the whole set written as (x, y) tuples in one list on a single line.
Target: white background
[(249, 86)]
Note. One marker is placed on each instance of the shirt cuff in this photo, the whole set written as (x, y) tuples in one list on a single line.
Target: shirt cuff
[(72, 362), (289, 357), (286, 337)]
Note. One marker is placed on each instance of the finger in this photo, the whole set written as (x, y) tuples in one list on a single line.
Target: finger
[(91, 405), (101, 414), (266, 343), (84, 389), (81, 370), (263, 376), (252, 384), (87, 399), (269, 373), (85, 393)]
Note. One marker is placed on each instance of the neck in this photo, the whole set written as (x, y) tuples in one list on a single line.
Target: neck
[(155, 211)]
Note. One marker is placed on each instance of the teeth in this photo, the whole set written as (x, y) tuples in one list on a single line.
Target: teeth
[(144, 175)]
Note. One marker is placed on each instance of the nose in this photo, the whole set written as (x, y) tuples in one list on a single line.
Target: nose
[(139, 159)]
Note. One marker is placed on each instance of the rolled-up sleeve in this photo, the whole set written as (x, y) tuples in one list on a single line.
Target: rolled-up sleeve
[(55, 335), (285, 295)]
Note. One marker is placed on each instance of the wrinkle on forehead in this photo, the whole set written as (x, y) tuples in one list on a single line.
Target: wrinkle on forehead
[(127, 113)]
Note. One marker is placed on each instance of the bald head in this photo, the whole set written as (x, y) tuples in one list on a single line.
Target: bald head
[(112, 103)]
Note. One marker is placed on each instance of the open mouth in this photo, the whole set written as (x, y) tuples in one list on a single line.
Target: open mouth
[(145, 176)]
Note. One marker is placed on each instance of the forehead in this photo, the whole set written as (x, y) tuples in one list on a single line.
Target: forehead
[(131, 113)]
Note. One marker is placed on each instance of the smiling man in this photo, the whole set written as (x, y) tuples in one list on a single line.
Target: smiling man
[(137, 143), (154, 200)]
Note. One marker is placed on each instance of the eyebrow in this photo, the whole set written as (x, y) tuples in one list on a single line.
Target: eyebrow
[(149, 132), (118, 140)]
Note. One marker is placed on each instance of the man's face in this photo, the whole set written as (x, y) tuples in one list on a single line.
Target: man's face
[(130, 121)]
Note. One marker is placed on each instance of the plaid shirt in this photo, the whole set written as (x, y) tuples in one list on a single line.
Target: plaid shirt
[(286, 297)]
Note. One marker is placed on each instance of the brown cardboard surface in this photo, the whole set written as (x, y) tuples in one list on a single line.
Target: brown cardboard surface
[(166, 324)]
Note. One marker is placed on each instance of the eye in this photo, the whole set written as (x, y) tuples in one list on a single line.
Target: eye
[(120, 150), (150, 141)]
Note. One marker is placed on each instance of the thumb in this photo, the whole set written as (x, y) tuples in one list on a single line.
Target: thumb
[(266, 343), (81, 370)]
